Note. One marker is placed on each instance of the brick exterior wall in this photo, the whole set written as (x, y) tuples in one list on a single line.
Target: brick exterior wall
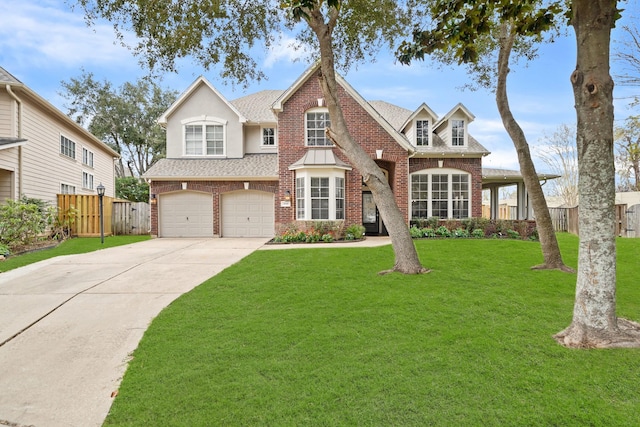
[(363, 128), (470, 165), (217, 188)]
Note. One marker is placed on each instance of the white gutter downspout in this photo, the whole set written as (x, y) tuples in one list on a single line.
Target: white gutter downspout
[(20, 179)]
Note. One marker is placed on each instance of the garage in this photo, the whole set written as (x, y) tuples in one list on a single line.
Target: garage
[(185, 214), (247, 214)]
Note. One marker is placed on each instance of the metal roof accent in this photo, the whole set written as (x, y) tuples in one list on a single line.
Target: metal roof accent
[(315, 158)]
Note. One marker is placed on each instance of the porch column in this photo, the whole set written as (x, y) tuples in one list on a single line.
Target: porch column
[(522, 199), (494, 202)]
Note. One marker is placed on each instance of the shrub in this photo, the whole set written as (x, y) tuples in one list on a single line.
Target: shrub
[(513, 234), (460, 233), (23, 221), (416, 233), (428, 232), (477, 233), (443, 231), (4, 250), (354, 232), (327, 238)]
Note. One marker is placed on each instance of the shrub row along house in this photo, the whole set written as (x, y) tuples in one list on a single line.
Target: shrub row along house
[(253, 166), (43, 152)]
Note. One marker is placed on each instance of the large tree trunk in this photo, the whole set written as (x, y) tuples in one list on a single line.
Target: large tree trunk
[(594, 314), (406, 256), (548, 242)]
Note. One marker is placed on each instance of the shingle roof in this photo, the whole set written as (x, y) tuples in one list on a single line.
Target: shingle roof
[(257, 107), (7, 77), (251, 166), (396, 116)]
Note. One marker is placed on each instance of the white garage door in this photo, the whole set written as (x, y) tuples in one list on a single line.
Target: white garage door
[(247, 214), (185, 214)]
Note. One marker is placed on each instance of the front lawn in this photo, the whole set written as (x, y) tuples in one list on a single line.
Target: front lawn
[(316, 337), (77, 245)]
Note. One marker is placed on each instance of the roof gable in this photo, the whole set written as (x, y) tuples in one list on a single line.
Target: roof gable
[(458, 108), (423, 108), (200, 81)]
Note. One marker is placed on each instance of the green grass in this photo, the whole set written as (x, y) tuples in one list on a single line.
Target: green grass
[(77, 245), (316, 338)]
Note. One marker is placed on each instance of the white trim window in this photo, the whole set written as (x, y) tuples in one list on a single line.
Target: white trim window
[(457, 133), (320, 194), (422, 132), (204, 136), (268, 137), (87, 180), (440, 193), (67, 147), (67, 189), (87, 157), (316, 123)]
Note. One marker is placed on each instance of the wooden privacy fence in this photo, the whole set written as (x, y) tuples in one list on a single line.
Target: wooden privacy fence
[(131, 217), (120, 216), (566, 219), (87, 220)]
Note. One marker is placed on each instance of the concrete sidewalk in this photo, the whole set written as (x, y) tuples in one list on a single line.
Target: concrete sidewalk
[(68, 325)]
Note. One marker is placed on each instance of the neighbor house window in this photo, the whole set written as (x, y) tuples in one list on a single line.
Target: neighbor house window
[(441, 194), (67, 189), (422, 132), (320, 197), (457, 132), (268, 137), (204, 138), (87, 180), (67, 147), (317, 122), (87, 157)]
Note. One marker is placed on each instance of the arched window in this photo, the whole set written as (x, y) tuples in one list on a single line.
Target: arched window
[(441, 193), (204, 136)]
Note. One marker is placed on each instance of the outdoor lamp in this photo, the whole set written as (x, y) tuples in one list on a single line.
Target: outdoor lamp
[(100, 188)]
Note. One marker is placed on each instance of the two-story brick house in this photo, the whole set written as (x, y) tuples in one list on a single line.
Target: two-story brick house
[(252, 166)]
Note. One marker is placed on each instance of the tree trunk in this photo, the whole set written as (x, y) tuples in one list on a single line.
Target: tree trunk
[(594, 314), (548, 242), (406, 256)]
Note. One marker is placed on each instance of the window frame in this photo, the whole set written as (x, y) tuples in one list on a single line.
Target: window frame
[(204, 122), (307, 194), (264, 137), (65, 149), (327, 142), (67, 186), (87, 157), (423, 133), (457, 205), (88, 183), (458, 133)]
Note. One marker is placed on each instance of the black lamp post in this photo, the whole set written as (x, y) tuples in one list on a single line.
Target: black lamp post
[(100, 190)]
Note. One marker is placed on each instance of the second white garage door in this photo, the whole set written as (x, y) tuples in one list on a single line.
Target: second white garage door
[(247, 214), (186, 214)]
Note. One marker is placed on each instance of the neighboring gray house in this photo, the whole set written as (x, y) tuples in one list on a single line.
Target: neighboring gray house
[(43, 152)]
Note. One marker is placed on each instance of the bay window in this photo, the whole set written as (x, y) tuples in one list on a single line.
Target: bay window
[(320, 194)]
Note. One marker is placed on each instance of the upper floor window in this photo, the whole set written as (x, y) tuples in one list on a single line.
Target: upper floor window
[(457, 132), (87, 180), (268, 137), (204, 136), (87, 157), (317, 121), (422, 132), (67, 147)]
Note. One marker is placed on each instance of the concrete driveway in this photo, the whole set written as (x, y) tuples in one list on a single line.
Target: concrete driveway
[(68, 325)]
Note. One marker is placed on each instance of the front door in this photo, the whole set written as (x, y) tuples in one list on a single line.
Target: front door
[(371, 221)]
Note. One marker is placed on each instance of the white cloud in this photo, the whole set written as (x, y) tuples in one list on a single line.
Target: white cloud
[(287, 49), (42, 34)]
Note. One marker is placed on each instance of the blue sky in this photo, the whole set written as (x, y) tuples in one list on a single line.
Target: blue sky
[(44, 42)]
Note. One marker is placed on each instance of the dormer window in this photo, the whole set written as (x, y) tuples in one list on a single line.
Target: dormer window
[(422, 132), (317, 121), (457, 133), (204, 137)]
